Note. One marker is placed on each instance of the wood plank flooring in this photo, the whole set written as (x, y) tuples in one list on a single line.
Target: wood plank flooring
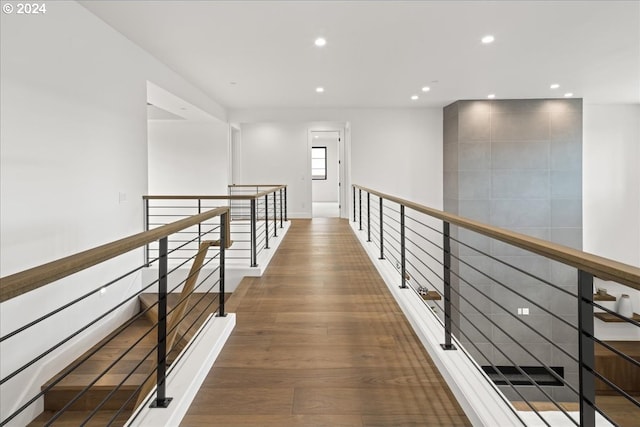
[(320, 341)]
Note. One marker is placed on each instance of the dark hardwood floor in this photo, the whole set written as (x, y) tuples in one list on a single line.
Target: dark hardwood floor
[(320, 341)]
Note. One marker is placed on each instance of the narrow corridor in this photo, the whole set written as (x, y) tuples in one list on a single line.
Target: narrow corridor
[(320, 341)]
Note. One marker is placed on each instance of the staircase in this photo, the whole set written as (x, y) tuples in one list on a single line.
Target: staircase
[(102, 355)]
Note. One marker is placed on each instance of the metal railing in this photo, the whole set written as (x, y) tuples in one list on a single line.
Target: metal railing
[(256, 211), (170, 322), (482, 299)]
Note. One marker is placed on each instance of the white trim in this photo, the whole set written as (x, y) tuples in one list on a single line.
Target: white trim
[(187, 374), (343, 171)]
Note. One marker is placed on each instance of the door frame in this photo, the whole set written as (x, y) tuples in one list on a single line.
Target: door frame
[(343, 165)]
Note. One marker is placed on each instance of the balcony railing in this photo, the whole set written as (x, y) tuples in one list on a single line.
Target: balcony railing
[(538, 348), (148, 351), (257, 212)]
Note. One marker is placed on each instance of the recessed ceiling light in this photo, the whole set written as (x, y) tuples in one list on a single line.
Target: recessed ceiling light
[(320, 41), (488, 39), (554, 86), (491, 96), (568, 95), (426, 89), (315, 136), (319, 89), (414, 97)]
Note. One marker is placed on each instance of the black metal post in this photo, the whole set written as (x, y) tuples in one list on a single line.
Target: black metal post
[(275, 216), (446, 244), (266, 221), (254, 234), (360, 208), (224, 218), (281, 224), (162, 401), (381, 231), (403, 258), (354, 203), (586, 355), (286, 217), (146, 228), (199, 224), (368, 216)]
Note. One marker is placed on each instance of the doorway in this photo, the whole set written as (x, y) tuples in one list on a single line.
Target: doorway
[(325, 173)]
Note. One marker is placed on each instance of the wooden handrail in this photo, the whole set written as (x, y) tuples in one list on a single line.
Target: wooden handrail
[(257, 185), (234, 197), (33, 278), (600, 267), (219, 197)]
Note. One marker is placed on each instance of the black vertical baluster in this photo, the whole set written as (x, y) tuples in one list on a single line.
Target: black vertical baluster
[(199, 224), (446, 244), (281, 224), (275, 216), (354, 203), (224, 218), (266, 221), (286, 217), (403, 259), (381, 232), (254, 234), (146, 228), (368, 216), (360, 208), (162, 401), (586, 355)]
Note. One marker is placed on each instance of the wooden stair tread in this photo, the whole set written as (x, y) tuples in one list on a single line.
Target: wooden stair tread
[(75, 418), (77, 380), (103, 357), (608, 317)]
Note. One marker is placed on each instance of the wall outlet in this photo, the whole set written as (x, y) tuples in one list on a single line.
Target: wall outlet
[(524, 311), (122, 197)]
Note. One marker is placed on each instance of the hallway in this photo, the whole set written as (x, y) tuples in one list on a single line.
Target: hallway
[(320, 341)]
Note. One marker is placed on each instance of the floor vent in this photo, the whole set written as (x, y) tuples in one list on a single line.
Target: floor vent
[(539, 374)]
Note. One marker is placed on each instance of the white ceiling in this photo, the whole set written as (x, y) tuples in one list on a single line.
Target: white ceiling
[(379, 53)]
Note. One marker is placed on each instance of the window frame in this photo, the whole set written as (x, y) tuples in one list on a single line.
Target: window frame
[(319, 177)]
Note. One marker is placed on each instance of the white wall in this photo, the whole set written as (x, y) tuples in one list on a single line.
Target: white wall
[(277, 153), (611, 196), (73, 167), (188, 158), (398, 151)]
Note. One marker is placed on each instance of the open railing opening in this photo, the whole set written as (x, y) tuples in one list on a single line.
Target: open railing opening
[(257, 213), (159, 328), (538, 348)]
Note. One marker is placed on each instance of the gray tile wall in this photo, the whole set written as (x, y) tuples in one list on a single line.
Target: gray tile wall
[(516, 164)]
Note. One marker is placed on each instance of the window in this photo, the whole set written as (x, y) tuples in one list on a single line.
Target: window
[(319, 163)]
